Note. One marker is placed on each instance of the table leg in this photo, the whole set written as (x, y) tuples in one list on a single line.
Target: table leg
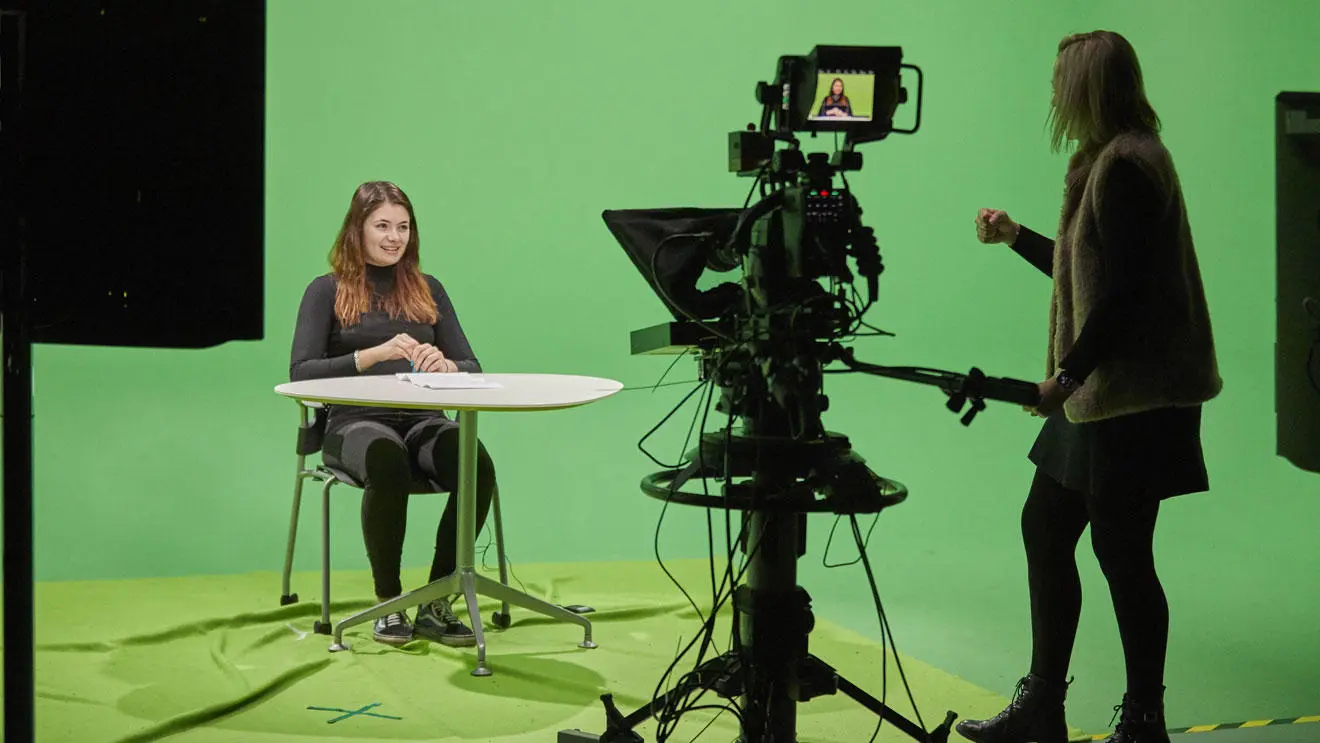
[(446, 586), (467, 529), (465, 579), (467, 489)]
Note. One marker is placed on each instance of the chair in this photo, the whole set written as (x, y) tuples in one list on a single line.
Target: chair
[(311, 435)]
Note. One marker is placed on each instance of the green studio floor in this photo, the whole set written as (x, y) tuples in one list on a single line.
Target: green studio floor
[(215, 659)]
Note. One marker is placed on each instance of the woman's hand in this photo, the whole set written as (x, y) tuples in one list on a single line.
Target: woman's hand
[(399, 347), (428, 358), (995, 226), (1052, 398)]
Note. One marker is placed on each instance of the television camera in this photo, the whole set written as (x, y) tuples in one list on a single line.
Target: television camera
[(766, 341)]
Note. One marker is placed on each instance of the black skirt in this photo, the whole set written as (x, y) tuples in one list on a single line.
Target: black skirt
[(1156, 453)]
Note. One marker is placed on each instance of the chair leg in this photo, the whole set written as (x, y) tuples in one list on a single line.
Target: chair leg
[(499, 547), (323, 626), (286, 595)]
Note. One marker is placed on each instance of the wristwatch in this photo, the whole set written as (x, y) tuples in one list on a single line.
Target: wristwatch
[(1067, 381)]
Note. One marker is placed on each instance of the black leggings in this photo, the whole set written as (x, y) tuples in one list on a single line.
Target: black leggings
[(386, 456), (1122, 534)]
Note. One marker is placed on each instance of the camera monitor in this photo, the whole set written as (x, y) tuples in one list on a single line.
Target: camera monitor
[(841, 88)]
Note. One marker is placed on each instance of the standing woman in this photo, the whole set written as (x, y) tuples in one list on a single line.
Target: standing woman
[(1131, 358), (377, 313)]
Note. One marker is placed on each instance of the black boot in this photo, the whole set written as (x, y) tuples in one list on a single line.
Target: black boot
[(1141, 721), (1034, 716)]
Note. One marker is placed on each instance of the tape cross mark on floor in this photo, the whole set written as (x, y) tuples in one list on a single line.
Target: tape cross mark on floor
[(354, 713)]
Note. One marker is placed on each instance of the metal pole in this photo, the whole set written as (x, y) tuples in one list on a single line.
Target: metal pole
[(17, 355), (18, 575), (467, 490)]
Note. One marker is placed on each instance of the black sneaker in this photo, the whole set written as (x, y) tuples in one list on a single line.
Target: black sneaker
[(437, 621), (393, 629)]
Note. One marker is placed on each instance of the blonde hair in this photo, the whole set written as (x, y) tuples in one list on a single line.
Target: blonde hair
[(1098, 92)]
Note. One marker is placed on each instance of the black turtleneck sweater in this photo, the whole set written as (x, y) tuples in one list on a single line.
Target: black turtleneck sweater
[(324, 348)]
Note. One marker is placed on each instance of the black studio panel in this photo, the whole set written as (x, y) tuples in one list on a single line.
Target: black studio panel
[(142, 185), (1297, 348)]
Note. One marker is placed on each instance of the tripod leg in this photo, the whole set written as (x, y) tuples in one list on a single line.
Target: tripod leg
[(939, 735), (619, 729)]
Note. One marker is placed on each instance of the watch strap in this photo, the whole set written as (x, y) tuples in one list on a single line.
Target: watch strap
[(1067, 381)]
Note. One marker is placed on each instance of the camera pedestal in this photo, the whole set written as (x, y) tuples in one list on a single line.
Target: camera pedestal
[(770, 668)]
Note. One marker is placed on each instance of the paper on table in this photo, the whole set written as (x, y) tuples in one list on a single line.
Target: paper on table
[(450, 381)]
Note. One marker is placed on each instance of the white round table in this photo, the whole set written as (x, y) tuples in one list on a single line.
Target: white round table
[(520, 392)]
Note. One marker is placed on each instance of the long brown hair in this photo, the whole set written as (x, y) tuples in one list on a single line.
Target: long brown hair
[(411, 297), (1098, 92)]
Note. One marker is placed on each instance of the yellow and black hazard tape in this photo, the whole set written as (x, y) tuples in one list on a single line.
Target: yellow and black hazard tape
[(1227, 726)]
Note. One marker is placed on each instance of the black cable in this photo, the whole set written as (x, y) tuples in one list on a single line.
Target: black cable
[(730, 580), (664, 509), (677, 707), (641, 443), (886, 634), (717, 591), (710, 536), (654, 387), (710, 526), (824, 560), (722, 710), (709, 623), (660, 382), (656, 545), (860, 312), (730, 546), (508, 563), (659, 522), (742, 537), (673, 710), (759, 175), (706, 627), (485, 548)]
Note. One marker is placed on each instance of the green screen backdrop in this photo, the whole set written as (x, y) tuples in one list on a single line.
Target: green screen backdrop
[(513, 125)]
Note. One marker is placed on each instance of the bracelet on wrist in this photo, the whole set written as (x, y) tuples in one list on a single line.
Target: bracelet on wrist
[(1067, 381)]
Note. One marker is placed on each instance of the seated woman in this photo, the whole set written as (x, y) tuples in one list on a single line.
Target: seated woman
[(377, 313), (836, 103)]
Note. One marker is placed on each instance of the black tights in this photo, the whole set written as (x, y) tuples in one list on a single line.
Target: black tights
[(1122, 534), (382, 457)]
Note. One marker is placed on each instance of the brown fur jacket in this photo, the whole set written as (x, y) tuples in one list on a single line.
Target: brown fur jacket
[(1167, 356)]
